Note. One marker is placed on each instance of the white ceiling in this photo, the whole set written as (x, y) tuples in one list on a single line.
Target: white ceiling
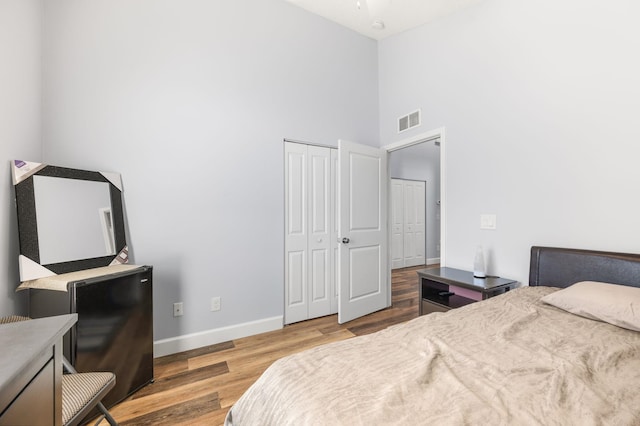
[(397, 15)]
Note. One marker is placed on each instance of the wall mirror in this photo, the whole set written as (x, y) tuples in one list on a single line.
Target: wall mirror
[(68, 219)]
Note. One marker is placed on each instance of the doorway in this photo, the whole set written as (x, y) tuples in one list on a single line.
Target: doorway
[(421, 157)]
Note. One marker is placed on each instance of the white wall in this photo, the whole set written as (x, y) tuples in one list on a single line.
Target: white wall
[(20, 106), (190, 100), (422, 162), (540, 100)]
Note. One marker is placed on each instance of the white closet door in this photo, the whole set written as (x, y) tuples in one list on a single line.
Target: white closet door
[(408, 237), (310, 232), (397, 223), (296, 253), (421, 225), (414, 223), (334, 232), (319, 219), (409, 223)]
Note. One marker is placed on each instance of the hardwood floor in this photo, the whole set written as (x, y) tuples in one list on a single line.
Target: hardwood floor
[(198, 387)]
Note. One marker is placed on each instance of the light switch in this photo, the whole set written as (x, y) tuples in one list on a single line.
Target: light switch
[(487, 221)]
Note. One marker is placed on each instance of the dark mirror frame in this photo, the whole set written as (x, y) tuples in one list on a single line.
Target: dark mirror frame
[(28, 229)]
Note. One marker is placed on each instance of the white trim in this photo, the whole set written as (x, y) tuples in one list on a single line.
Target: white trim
[(416, 139), (433, 134), (433, 261), (201, 339), (310, 143)]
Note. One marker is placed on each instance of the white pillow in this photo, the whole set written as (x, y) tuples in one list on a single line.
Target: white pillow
[(612, 303)]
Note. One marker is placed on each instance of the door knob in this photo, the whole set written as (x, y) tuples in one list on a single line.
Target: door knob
[(345, 240)]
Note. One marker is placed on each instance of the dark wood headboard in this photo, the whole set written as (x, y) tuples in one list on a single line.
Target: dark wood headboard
[(560, 267)]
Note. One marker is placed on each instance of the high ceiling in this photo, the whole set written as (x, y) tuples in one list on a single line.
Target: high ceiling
[(394, 16)]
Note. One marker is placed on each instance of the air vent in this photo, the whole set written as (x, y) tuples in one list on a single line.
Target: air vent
[(409, 121)]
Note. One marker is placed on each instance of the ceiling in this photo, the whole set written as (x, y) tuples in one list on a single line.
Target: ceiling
[(366, 16)]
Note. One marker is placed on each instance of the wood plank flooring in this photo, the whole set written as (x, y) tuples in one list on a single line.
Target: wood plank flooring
[(198, 387)]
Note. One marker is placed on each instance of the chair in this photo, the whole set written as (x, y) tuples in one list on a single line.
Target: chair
[(81, 392)]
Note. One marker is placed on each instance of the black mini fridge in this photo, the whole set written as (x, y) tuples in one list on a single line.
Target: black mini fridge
[(114, 331)]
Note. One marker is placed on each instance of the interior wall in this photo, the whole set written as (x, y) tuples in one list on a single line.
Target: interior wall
[(422, 162), (540, 101), (190, 100), (20, 112)]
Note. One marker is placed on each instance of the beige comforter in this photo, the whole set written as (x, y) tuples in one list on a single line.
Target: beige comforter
[(510, 360)]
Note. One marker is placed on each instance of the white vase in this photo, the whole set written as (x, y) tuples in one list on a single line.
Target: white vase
[(478, 264)]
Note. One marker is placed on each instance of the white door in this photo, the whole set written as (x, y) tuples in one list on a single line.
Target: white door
[(362, 194), (335, 291), (408, 236), (296, 233), (320, 216), (397, 223), (414, 223), (310, 241)]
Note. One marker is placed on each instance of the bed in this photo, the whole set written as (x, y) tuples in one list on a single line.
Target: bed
[(563, 350)]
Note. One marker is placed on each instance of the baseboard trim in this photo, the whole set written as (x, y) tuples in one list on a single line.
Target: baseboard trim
[(187, 342), (433, 261)]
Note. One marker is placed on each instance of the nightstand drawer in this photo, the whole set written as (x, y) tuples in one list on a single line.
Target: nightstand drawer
[(428, 307)]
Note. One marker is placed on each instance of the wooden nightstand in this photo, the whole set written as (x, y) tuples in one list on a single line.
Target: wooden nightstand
[(441, 289)]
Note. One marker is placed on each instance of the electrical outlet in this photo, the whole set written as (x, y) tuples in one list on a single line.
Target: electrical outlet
[(178, 309), (215, 304)]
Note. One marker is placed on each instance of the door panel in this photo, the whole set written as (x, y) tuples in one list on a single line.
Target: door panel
[(414, 223), (362, 183), (420, 228), (409, 223), (367, 281), (364, 193), (319, 209), (296, 282), (397, 223), (319, 278), (319, 239), (297, 271), (333, 238)]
